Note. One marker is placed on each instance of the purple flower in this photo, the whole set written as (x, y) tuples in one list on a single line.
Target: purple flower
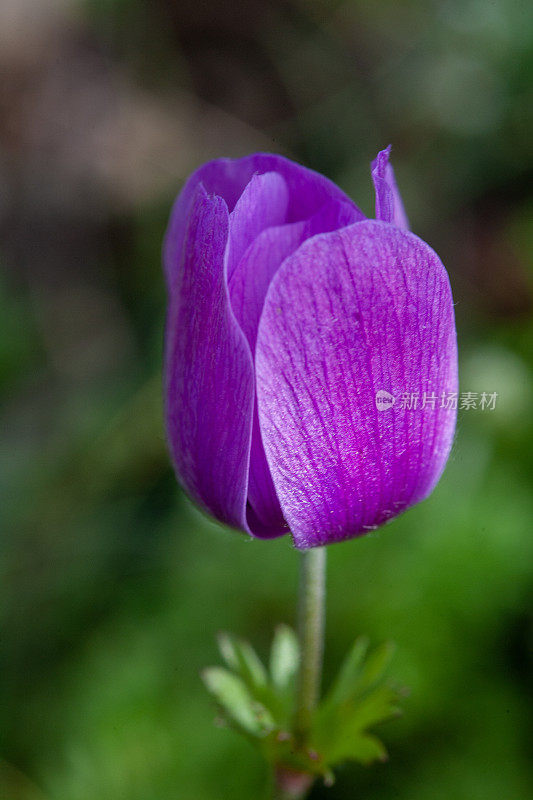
[(310, 352)]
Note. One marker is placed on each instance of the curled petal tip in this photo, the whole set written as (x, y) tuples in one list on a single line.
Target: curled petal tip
[(389, 204)]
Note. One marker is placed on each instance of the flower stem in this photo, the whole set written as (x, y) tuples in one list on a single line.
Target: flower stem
[(311, 634)]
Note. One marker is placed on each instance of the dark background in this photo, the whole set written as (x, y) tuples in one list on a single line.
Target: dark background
[(113, 585)]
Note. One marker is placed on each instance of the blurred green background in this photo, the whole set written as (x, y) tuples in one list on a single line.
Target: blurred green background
[(113, 586)]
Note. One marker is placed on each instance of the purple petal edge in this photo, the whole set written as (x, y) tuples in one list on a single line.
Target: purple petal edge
[(227, 178), (208, 370)]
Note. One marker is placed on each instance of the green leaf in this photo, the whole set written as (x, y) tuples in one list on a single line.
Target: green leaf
[(227, 650), (233, 696), (363, 748), (358, 699), (378, 706), (342, 732), (375, 666), (251, 666), (284, 656), (344, 685), (242, 658)]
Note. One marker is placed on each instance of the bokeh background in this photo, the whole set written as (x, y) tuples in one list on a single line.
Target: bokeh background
[(113, 585)]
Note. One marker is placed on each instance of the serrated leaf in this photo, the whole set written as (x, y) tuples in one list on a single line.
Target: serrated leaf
[(363, 748), (378, 706), (284, 656), (243, 660), (346, 680), (357, 700), (339, 727), (233, 696)]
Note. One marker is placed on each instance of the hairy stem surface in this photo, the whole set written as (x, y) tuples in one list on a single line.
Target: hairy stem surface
[(311, 614)]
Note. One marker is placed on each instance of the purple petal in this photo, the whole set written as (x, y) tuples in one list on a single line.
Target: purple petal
[(251, 278), (248, 286), (208, 371), (350, 313), (249, 281), (262, 204), (247, 291), (389, 206), (227, 178)]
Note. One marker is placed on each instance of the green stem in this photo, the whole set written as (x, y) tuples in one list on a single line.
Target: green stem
[(290, 784), (311, 634)]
